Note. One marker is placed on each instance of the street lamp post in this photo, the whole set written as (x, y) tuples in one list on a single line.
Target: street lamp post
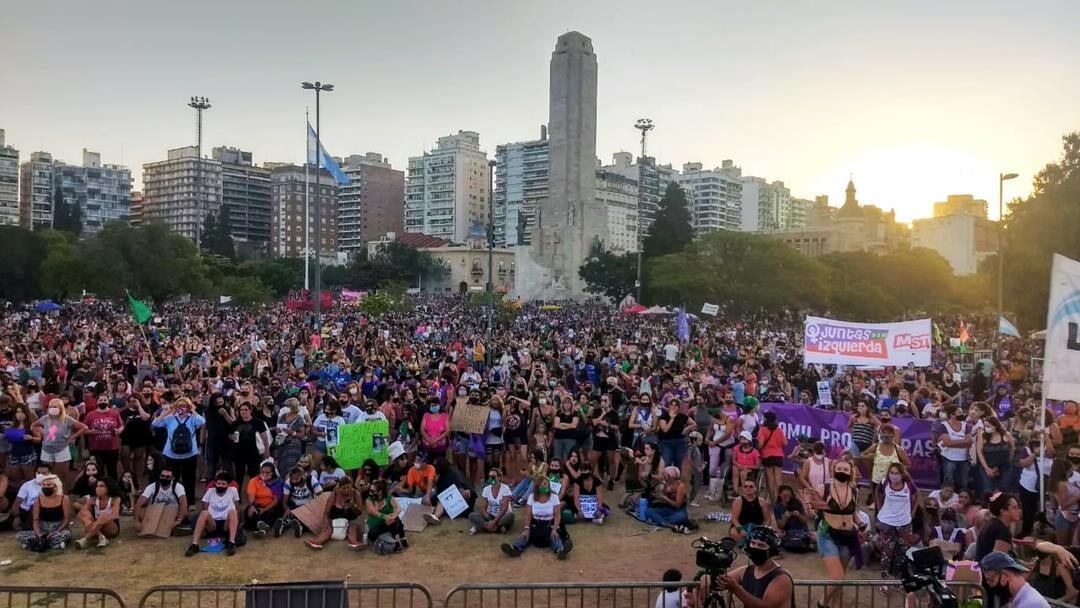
[(199, 104), (491, 254), (316, 293), (644, 125), (1002, 178)]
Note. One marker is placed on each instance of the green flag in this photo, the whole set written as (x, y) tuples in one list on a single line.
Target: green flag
[(140, 311)]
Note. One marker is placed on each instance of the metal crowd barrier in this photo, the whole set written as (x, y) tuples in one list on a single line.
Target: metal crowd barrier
[(289, 595), (867, 594), (559, 595), (62, 597)]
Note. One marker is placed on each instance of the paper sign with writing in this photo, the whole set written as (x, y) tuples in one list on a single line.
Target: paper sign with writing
[(710, 309), (556, 487), (470, 419), (824, 393), (452, 500), (588, 506), (405, 502), (362, 440)]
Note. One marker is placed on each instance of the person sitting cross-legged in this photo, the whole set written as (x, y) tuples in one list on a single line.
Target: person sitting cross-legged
[(220, 518), (493, 513)]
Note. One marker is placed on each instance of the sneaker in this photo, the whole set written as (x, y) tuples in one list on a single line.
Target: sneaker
[(472, 531), (298, 528), (501, 530), (432, 519), (565, 553), (80, 544), (261, 529), (313, 545), (351, 545), (694, 504), (510, 550), (230, 547), (404, 542), (598, 521), (279, 527), (102, 542), (191, 550), (62, 547)]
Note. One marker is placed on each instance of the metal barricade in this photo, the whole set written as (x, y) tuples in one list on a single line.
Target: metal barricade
[(289, 595), (61, 597), (867, 594), (559, 595)]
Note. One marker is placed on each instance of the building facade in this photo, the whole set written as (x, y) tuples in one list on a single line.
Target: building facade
[(467, 262), (521, 187), (767, 205), (37, 191), (446, 189), (9, 184), (652, 180), (619, 195), (961, 204), (170, 195), (372, 204), (289, 223), (716, 202), (245, 200), (135, 219), (102, 192)]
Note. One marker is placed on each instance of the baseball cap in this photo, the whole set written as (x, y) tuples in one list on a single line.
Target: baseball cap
[(996, 561), (746, 435)]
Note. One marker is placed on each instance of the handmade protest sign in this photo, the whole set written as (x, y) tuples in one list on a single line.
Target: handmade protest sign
[(362, 440), (470, 419), (452, 500), (588, 506)]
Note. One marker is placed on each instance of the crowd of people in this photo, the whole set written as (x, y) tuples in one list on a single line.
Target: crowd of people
[(222, 423)]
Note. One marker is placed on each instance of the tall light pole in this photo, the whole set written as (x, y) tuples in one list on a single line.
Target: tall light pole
[(1002, 177), (644, 125), (318, 87), (491, 256), (199, 104)]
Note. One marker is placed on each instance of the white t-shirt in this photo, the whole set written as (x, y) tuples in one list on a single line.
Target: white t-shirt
[(669, 599), (1028, 597), (949, 504), (218, 505), (165, 496), (29, 492), (1029, 479), (544, 511), (494, 503)]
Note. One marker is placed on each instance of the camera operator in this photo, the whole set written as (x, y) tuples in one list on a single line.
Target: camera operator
[(764, 583), (1006, 583)]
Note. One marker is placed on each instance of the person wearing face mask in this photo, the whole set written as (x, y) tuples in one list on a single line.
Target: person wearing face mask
[(137, 436), (161, 507), (384, 515), (292, 427), (28, 494), (949, 536), (58, 432), (954, 443), (434, 431), (325, 429), (814, 472), (264, 494), (1006, 582), (838, 538), (493, 512), (23, 441), (885, 453), (182, 426), (763, 583), (105, 426), (220, 516), (895, 499), (542, 524), (100, 516), (352, 411), (50, 527)]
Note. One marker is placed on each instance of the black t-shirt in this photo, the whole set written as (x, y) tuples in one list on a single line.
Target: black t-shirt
[(395, 473), (677, 426), (137, 432), (246, 446), (993, 532), (566, 419)]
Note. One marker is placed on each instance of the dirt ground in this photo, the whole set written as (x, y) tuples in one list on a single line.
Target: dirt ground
[(439, 558)]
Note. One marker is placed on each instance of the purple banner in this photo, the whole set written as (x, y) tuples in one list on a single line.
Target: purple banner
[(831, 428)]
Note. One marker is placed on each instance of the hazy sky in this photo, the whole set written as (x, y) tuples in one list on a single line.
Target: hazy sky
[(916, 99)]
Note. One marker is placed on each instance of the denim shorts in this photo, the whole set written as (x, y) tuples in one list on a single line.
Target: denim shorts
[(826, 547)]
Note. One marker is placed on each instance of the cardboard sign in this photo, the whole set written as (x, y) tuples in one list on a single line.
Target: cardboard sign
[(413, 517), (588, 506), (470, 419), (406, 502), (158, 520), (454, 503), (824, 393), (311, 514), (362, 440)]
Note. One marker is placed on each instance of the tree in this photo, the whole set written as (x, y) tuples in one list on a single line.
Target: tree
[(65, 271), (375, 305), (20, 274), (412, 264), (246, 292), (217, 234), (671, 230), (67, 217), (611, 275)]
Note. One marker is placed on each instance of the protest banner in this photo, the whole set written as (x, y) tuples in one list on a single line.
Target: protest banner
[(824, 393), (1061, 368), (843, 343), (830, 428), (710, 309), (362, 440), (452, 500), (470, 419)]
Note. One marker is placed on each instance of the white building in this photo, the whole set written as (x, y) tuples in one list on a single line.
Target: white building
[(37, 185), (717, 196), (169, 191), (102, 192), (446, 189), (521, 187), (962, 239), (619, 195), (766, 205), (652, 180), (9, 184)]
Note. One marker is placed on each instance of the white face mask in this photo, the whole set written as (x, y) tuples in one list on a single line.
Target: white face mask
[(54, 411), (39, 478)]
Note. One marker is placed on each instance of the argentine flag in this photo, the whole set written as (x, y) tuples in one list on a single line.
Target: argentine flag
[(328, 162), (1006, 328)]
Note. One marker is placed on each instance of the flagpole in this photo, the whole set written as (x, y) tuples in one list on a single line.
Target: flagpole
[(307, 196)]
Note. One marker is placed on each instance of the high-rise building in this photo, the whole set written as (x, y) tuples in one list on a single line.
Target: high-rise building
[(961, 204), (446, 189), (37, 191), (372, 204), (169, 191), (136, 217), (521, 187), (245, 200), (619, 195), (288, 221), (102, 192), (717, 196), (652, 180), (9, 184), (765, 205), (800, 212), (964, 239)]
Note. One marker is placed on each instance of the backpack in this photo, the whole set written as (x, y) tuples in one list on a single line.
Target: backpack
[(157, 488), (386, 544), (181, 442)]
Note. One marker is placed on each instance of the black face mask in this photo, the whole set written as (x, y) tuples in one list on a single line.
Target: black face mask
[(165, 482), (843, 477), (221, 491), (48, 491), (757, 556), (1074, 459), (103, 406)]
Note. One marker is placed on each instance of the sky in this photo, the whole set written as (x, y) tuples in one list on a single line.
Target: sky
[(916, 100)]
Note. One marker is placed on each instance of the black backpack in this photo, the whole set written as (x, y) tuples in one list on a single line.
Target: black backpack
[(181, 442)]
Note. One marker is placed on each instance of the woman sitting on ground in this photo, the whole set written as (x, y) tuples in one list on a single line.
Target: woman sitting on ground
[(100, 515), (667, 506), (384, 514), (587, 498), (300, 489), (749, 510), (51, 518), (542, 524), (495, 514), (264, 493), (344, 507)]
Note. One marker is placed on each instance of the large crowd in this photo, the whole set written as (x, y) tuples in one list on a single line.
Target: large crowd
[(220, 425)]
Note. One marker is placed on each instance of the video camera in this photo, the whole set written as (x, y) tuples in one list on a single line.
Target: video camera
[(714, 557), (924, 569)]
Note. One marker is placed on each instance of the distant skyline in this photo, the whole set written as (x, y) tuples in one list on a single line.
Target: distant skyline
[(917, 100)]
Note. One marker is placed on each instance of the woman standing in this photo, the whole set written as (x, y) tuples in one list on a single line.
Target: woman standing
[(955, 443), (1032, 467), (137, 436), (863, 428), (105, 426), (993, 448), (434, 431), (884, 454), (1065, 482), (721, 441), (100, 516), (642, 422), (605, 429), (58, 433), (516, 436), (837, 531), (672, 423), (895, 499), (292, 428), (566, 429), (51, 516), (771, 441)]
